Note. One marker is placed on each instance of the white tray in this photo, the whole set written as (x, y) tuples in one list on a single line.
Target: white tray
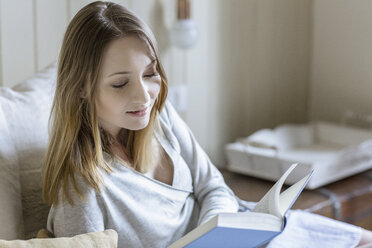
[(334, 152)]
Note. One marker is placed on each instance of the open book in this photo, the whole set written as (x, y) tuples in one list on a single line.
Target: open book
[(247, 229)]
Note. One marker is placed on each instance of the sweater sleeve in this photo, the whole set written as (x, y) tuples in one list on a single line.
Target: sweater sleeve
[(66, 220), (210, 190)]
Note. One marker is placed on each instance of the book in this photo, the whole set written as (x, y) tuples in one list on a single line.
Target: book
[(248, 229)]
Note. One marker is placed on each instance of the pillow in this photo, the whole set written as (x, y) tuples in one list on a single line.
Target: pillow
[(104, 239), (26, 107), (11, 226)]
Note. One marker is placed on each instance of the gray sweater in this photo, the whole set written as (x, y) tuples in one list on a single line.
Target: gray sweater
[(146, 212)]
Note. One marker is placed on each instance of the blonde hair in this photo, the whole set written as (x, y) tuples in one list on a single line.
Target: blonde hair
[(77, 142)]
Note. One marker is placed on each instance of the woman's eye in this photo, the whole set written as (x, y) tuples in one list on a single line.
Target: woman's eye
[(119, 85), (155, 74)]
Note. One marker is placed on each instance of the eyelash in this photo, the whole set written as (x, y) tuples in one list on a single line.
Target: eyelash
[(149, 76), (153, 74), (119, 86)]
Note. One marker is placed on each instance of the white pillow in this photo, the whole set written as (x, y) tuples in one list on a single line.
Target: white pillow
[(26, 108), (103, 239), (11, 226)]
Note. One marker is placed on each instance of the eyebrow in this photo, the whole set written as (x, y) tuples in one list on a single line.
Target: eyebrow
[(127, 72)]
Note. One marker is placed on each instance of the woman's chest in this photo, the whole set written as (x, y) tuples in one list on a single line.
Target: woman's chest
[(163, 170)]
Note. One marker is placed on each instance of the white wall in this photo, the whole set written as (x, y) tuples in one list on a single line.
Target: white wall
[(249, 69), (341, 74), (16, 31), (262, 74)]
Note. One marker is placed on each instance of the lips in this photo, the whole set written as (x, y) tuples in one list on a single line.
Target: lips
[(137, 111)]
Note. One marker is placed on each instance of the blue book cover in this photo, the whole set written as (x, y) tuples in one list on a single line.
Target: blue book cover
[(222, 237)]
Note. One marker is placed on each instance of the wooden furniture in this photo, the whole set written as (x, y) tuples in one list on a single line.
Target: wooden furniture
[(348, 200)]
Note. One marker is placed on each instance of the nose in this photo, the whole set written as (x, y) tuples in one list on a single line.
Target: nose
[(141, 93)]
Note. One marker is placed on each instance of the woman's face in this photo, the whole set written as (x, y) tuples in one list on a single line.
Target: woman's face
[(127, 86)]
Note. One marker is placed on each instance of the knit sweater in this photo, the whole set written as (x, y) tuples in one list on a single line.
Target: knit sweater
[(146, 212)]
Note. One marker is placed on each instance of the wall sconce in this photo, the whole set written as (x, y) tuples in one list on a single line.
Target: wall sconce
[(184, 33)]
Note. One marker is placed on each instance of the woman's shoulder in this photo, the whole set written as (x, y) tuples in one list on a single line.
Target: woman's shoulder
[(76, 193), (82, 215)]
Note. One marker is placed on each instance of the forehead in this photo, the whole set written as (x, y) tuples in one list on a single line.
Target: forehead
[(125, 53)]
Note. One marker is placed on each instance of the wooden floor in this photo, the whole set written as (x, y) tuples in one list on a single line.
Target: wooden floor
[(353, 194)]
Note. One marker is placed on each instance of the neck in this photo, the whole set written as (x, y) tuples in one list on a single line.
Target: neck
[(120, 138)]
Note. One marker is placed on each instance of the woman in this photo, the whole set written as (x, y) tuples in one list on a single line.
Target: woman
[(119, 155)]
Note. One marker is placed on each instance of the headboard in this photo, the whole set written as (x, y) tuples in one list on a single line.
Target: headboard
[(31, 33)]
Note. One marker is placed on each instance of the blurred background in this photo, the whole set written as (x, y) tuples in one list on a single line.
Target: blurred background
[(255, 64)]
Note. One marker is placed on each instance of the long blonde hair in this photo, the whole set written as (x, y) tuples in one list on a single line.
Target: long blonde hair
[(77, 142)]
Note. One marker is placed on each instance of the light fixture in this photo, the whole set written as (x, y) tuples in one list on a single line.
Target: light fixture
[(184, 33)]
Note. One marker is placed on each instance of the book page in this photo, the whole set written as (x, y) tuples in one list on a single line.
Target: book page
[(270, 202), (289, 196)]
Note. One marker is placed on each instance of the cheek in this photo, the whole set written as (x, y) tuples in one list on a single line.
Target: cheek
[(154, 90), (107, 104)]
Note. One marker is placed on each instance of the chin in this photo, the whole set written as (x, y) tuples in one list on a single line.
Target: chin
[(139, 126)]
